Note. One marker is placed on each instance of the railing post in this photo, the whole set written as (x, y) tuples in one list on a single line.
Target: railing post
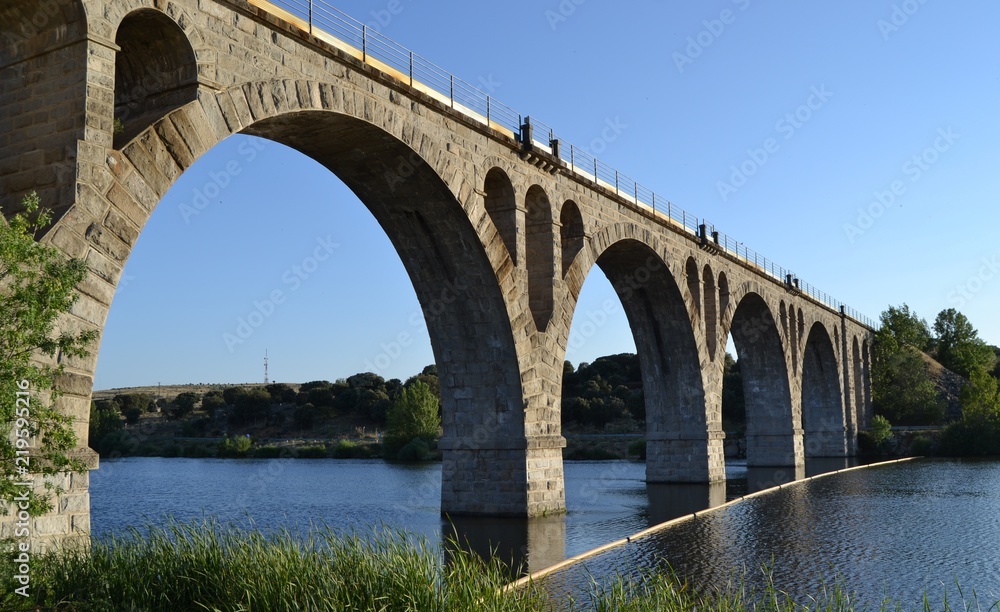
[(616, 182), (452, 93), (487, 111), (572, 158), (310, 16), (411, 68), (364, 42), (596, 180)]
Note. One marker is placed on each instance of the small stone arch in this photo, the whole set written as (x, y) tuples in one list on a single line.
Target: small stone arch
[(156, 71), (501, 206), (571, 234), (711, 314), (693, 282), (539, 255)]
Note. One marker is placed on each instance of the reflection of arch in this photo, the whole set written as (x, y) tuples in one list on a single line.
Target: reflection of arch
[(711, 312), (570, 233), (155, 71), (502, 208), (540, 256), (483, 410), (771, 436), (676, 423), (822, 402)]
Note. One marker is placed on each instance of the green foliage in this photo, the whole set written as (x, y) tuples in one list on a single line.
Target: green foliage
[(959, 347), (902, 388), (38, 286), (105, 418), (881, 429), (212, 401), (906, 328), (210, 567), (235, 446), (734, 413), (281, 393), (183, 405), (414, 414), (250, 405), (981, 397), (604, 391), (416, 449)]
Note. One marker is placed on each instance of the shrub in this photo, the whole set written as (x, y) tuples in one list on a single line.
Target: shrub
[(234, 446), (416, 449)]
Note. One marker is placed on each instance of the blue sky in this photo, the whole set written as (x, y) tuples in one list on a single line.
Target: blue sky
[(855, 143)]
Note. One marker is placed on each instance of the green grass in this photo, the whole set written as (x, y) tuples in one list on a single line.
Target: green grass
[(205, 566)]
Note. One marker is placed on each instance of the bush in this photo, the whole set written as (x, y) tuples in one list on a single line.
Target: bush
[(416, 449), (235, 446), (922, 446)]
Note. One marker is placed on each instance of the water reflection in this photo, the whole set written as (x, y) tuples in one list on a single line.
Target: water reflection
[(670, 501), (527, 545)]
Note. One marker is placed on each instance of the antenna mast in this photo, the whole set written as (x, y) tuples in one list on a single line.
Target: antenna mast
[(265, 368)]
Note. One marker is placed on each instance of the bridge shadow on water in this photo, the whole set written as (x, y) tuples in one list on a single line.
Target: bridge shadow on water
[(530, 545)]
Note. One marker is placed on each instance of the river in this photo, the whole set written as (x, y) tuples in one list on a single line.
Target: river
[(905, 529)]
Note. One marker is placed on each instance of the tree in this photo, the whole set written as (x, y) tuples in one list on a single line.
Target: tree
[(184, 404), (414, 414), (252, 405), (959, 347), (981, 398), (38, 285), (212, 401), (906, 328), (902, 389), (105, 418)]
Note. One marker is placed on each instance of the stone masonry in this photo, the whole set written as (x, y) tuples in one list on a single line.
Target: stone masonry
[(105, 103)]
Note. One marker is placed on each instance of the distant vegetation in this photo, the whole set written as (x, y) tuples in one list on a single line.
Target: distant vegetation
[(905, 392)]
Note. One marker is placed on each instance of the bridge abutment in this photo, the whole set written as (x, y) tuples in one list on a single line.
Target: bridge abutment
[(775, 449), (685, 457)]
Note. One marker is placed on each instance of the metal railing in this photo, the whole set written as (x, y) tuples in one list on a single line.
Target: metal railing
[(372, 47)]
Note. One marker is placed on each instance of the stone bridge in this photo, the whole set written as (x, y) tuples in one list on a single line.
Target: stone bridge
[(105, 103)]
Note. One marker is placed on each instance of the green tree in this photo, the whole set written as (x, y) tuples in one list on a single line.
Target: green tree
[(414, 414), (981, 398), (105, 418), (38, 285), (906, 327), (252, 406), (959, 347), (184, 404), (902, 388), (212, 401)]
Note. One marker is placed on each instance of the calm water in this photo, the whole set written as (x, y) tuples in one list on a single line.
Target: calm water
[(902, 529)]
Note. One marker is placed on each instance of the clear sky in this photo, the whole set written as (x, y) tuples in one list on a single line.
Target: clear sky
[(856, 143)]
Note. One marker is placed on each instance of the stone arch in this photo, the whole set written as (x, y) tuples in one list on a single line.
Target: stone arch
[(711, 312), (773, 434), (571, 234), (539, 255), (723, 296), (501, 205), (680, 447), (822, 402), (483, 406), (155, 71), (693, 281)]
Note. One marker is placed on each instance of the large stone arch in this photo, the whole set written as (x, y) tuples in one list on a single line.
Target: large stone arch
[(428, 213), (823, 420), (683, 421), (774, 434)]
